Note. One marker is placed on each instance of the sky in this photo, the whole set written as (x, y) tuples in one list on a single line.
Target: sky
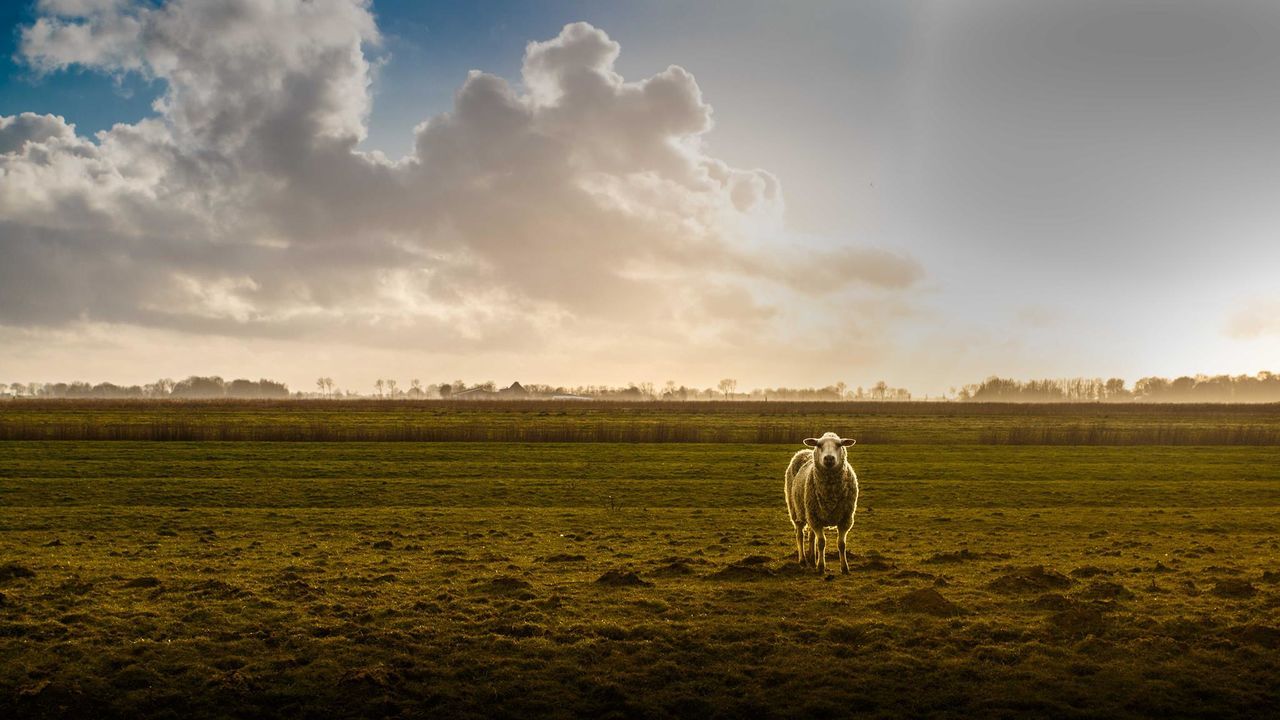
[(788, 194)]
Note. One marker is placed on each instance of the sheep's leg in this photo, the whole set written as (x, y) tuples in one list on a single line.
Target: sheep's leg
[(801, 538), (842, 532), (820, 549)]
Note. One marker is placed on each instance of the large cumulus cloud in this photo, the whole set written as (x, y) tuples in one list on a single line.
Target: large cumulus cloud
[(566, 206)]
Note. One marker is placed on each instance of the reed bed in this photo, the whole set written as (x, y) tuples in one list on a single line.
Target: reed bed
[(1100, 434), (637, 422), (620, 422), (581, 432)]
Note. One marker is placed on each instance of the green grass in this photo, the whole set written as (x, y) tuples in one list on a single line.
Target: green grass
[(211, 579)]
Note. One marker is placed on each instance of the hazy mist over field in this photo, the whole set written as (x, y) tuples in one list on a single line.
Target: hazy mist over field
[(925, 193)]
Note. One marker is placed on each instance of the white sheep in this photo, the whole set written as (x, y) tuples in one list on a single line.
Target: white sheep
[(822, 492)]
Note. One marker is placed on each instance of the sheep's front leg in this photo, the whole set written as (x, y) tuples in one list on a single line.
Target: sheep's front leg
[(820, 549), (802, 538), (842, 532)]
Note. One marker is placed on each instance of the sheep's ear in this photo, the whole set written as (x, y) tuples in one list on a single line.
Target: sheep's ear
[(848, 442), (811, 442)]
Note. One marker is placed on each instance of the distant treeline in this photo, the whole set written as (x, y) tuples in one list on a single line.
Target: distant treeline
[(1263, 387), (726, 389), (193, 388), (209, 388)]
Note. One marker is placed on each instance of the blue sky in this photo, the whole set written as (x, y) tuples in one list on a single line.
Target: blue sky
[(427, 50), (81, 96)]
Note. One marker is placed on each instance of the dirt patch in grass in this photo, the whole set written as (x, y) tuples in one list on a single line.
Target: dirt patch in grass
[(1053, 601), (1079, 621), (1261, 635), (146, 581), (924, 601), (217, 590), (742, 573), (507, 585), (1234, 588), (963, 555), (1106, 591), (874, 564), (622, 578), (15, 571), (1027, 580)]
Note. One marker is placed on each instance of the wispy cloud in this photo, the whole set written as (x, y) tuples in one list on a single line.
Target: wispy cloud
[(1257, 317)]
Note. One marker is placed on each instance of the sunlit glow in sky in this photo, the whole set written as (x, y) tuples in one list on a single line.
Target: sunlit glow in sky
[(603, 193)]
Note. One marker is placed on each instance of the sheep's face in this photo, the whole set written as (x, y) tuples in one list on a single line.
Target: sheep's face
[(830, 451)]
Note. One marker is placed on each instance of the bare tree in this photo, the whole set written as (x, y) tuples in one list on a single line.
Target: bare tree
[(391, 388), (727, 386), (380, 384), (161, 388)]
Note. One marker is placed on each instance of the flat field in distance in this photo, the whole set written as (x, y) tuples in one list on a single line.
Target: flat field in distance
[(678, 422), (992, 578)]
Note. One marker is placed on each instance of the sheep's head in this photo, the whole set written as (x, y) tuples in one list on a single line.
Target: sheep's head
[(829, 451)]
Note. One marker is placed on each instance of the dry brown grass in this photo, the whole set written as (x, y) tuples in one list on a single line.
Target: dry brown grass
[(639, 422)]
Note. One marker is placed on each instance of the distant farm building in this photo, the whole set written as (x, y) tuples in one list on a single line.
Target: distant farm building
[(516, 391)]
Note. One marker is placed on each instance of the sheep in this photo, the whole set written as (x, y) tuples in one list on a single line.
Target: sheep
[(822, 491)]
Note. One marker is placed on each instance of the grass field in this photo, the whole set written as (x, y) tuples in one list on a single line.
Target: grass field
[(505, 579), (938, 423)]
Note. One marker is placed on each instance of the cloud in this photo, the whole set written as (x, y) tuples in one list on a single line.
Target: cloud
[(561, 209), (18, 130)]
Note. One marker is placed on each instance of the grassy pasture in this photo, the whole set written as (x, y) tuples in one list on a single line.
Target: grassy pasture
[(494, 579), (648, 422)]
